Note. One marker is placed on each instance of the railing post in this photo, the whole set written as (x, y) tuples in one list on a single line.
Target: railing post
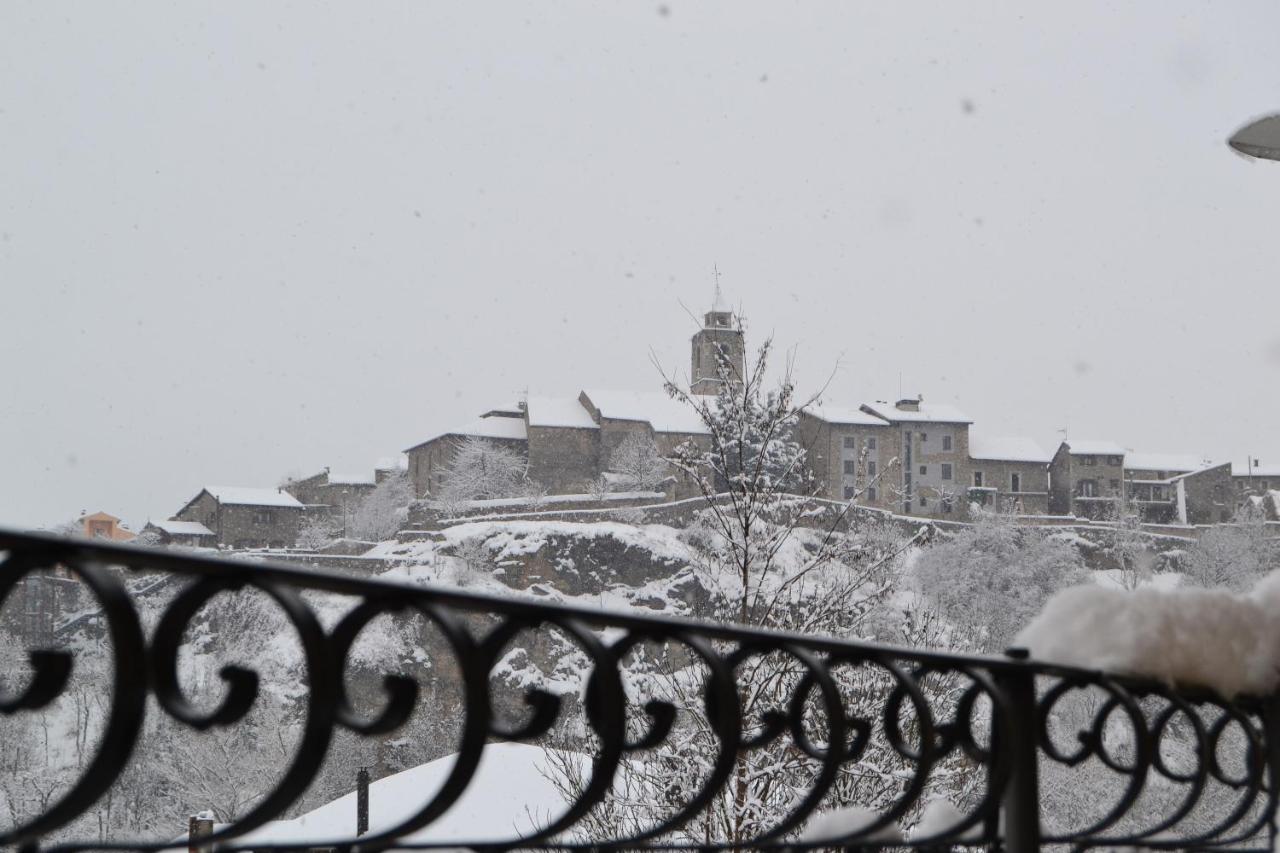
[(362, 802), (1020, 804)]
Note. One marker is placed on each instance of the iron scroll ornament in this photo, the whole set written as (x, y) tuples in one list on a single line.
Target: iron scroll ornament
[(999, 723)]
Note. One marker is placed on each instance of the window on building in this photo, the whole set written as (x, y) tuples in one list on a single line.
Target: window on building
[(924, 436), (1115, 485), (1015, 482), (946, 504), (977, 479), (1088, 488), (924, 470), (262, 516), (946, 470), (871, 444), (946, 442), (850, 442), (848, 493), (1089, 460), (851, 466), (1113, 460), (871, 468), (924, 502), (871, 495)]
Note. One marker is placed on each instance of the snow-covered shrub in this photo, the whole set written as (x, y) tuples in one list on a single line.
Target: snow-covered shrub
[(481, 470), (384, 510), (1232, 556), (317, 531), (990, 579), (638, 463)]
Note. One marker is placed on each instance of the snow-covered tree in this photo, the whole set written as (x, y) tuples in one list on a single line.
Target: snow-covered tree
[(317, 531), (383, 511), (638, 463), (480, 470), (990, 579), (1231, 555), (770, 556)]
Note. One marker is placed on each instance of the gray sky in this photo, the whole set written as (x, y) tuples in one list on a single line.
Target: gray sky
[(250, 239)]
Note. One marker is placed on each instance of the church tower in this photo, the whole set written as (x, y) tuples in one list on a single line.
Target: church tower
[(719, 337)]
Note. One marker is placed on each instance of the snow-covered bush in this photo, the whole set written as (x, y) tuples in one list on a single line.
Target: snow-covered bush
[(481, 470), (1232, 556), (638, 463), (317, 531), (384, 510), (990, 579)]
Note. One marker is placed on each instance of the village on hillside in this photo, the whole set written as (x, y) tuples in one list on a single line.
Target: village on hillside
[(912, 458)]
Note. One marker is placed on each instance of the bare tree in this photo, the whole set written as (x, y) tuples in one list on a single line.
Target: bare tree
[(383, 511), (638, 464)]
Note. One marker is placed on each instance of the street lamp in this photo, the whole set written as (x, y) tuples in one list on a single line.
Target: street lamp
[(1260, 138)]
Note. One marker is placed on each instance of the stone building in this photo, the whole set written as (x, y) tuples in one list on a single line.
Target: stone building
[(1086, 479), (339, 495), (1205, 496), (1253, 478), (719, 339), (852, 452), (931, 444), (429, 460), (1155, 484), (242, 517), (1009, 474)]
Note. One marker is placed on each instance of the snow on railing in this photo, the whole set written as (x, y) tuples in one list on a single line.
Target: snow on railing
[(848, 719)]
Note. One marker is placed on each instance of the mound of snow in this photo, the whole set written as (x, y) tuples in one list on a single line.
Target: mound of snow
[(508, 798), (843, 822), (1211, 638)]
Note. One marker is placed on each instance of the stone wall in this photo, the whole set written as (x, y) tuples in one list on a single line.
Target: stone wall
[(564, 460), (429, 460)]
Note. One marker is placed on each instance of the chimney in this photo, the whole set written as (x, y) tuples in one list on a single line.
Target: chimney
[(910, 404), (362, 802), (199, 827)]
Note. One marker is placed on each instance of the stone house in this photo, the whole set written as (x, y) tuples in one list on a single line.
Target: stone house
[(242, 517), (931, 443), (852, 453), (339, 495), (192, 534), (1152, 484), (1205, 496), (429, 460), (1252, 478), (1009, 474), (1086, 479)]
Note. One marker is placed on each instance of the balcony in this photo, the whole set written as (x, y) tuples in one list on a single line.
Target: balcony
[(929, 714)]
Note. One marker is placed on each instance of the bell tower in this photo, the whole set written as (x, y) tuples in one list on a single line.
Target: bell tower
[(718, 339)]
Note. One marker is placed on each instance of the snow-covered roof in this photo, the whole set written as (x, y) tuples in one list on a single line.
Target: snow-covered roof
[(369, 479), (558, 412), (652, 407), (246, 496), (1093, 447), (514, 409), (1179, 463), (181, 528), (834, 414), (1011, 448), (512, 428), (928, 413), (1240, 469), (512, 794)]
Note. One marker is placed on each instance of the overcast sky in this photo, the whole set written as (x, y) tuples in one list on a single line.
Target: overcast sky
[(254, 239)]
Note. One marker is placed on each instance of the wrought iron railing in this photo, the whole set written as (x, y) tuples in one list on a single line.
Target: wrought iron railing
[(998, 724)]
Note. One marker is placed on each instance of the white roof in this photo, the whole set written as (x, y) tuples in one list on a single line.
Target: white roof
[(559, 412), (929, 413), (1239, 469), (245, 496), (392, 463), (1093, 447), (1179, 463), (1011, 448), (352, 479), (844, 415), (652, 407), (511, 795), (182, 528), (495, 427)]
